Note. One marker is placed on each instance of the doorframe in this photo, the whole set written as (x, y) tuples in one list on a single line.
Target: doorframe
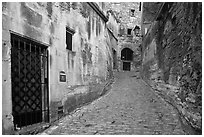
[(47, 119)]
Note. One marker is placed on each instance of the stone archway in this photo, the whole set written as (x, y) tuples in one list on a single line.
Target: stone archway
[(127, 46), (127, 54)]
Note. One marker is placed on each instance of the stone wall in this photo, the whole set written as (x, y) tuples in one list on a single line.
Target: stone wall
[(149, 12), (172, 58), (89, 63), (113, 26)]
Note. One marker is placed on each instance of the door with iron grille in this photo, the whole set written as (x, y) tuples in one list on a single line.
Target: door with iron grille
[(126, 66), (29, 78)]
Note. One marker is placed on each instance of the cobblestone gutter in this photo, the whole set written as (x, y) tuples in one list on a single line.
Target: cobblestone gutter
[(191, 122)]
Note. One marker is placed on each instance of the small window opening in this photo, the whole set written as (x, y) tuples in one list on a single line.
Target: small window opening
[(69, 33), (69, 41), (129, 31), (132, 12)]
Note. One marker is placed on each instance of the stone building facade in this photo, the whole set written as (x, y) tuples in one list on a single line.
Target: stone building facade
[(129, 18), (172, 58), (113, 26), (55, 57)]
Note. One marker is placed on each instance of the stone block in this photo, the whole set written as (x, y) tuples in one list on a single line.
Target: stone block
[(5, 35), (32, 17), (5, 22)]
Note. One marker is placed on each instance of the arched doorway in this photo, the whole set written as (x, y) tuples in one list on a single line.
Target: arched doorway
[(126, 57)]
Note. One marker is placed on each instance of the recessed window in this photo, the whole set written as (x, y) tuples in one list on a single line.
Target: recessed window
[(69, 34), (132, 12), (129, 31), (69, 40)]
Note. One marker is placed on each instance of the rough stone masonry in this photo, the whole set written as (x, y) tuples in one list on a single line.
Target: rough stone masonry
[(172, 58)]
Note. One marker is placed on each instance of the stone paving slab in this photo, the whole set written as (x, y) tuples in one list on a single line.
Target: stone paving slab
[(130, 108)]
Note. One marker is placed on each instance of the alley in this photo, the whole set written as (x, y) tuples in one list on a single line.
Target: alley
[(72, 68), (130, 107)]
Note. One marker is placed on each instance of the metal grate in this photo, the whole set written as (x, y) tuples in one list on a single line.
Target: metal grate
[(29, 81)]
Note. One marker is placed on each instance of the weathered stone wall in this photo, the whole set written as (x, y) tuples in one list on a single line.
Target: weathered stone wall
[(89, 62), (122, 12), (149, 12), (113, 26), (112, 23), (172, 58)]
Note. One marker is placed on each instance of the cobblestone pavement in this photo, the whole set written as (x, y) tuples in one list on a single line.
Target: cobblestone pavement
[(130, 107)]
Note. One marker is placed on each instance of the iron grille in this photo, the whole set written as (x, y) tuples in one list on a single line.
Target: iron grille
[(29, 78)]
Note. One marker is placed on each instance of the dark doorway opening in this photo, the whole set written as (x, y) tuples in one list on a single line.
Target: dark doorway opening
[(127, 57), (126, 66), (29, 79)]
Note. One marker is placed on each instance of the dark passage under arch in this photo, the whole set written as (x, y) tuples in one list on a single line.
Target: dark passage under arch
[(127, 54), (127, 57)]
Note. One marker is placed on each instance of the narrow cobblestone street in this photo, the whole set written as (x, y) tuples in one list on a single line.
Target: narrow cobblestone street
[(102, 68), (130, 107)]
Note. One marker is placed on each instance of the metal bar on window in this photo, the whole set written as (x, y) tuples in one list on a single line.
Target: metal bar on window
[(47, 89), (25, 92)]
